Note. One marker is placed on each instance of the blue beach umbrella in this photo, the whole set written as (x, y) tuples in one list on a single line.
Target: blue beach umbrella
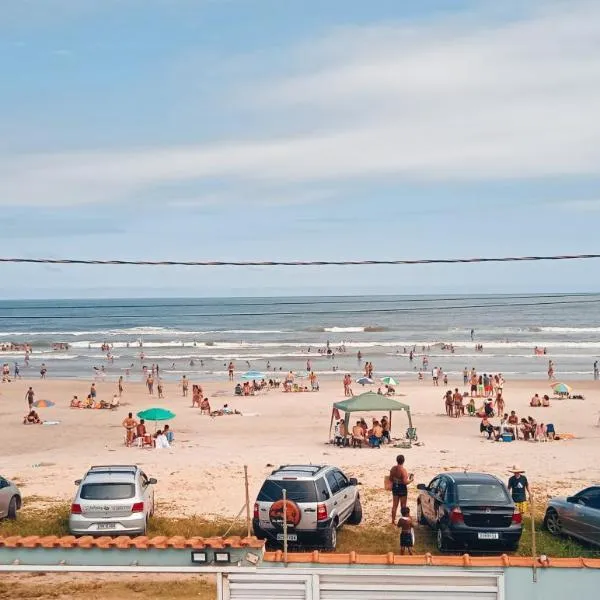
[(364, 381)]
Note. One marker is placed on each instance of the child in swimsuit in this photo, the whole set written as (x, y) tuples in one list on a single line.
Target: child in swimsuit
[(405, 524)]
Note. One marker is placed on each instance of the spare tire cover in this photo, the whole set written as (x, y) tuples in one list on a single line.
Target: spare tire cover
[(292, 513)]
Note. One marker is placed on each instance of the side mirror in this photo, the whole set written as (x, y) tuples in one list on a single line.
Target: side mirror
[(152, 481), (77, 482), (422, 487), (353, 481)]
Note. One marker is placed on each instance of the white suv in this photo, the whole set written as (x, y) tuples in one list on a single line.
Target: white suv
[(319, 500), (112, 500)]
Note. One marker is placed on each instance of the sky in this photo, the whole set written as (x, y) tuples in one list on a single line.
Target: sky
[(298, 130)]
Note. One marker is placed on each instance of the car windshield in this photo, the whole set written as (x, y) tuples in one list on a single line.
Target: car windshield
[(297, 491), (107, 491), (481, 492)]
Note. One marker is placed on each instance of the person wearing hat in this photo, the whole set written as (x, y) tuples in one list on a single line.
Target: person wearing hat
[(518, 486)]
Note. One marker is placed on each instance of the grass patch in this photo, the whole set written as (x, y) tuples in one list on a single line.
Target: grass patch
[(366, 539), (96, 590), (378, 540)]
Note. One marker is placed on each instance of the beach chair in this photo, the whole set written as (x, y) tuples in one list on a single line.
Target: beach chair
[(411, 434)]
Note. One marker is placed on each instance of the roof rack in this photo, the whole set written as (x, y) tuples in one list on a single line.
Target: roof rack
[(113, 469), (312, 469)]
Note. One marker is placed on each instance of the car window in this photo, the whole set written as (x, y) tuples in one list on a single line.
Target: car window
[(432, 487), (590, 498), (3, 482), (107, 491), (322, 491), (341, 479), (296, 491), (334, 486), (481, 492), (441, 489)]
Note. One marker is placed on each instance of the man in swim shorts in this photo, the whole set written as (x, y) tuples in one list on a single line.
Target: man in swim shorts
[(400, 479)]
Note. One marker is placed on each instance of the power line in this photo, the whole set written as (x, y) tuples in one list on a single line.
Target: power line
[(340, 300), (314, 312), (294, 263)]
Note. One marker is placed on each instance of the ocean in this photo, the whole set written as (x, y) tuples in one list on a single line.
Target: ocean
[(199, 337)]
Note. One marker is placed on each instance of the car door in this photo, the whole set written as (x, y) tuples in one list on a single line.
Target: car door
[(586, 521), (345, 494), (4, 497), (439, 499), (334, 488), (147, 493), (427, 501)]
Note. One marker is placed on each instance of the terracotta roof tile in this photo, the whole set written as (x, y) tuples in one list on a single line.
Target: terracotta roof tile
[(464, 560), (124, 542)]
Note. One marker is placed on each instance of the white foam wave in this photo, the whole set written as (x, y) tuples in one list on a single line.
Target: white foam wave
[(344, 329), (570, 329)]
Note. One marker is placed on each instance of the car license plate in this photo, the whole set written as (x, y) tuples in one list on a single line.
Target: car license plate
[(107, 525), (291, 537), (488, 536)]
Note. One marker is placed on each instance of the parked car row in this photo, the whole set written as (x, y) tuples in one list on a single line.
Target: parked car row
[(467, 511)]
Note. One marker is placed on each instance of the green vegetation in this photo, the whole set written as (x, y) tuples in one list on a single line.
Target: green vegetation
[(52, 519)]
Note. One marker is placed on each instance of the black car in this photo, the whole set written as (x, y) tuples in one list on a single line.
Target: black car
[(471, 511)]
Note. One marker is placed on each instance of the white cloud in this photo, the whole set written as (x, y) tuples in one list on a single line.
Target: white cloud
[(454, 100)]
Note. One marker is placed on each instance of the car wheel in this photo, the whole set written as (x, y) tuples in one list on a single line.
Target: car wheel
[(12, 509), (441, 541), (330, 538), (552, 522), (420, 517), (356, 517)]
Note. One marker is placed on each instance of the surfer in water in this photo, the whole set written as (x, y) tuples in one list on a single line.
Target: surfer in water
[(472, 334)]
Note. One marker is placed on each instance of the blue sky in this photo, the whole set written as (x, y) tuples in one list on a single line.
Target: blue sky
[(298, 129)]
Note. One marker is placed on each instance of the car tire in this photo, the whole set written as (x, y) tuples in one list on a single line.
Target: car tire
[(552, 522), (330, 538), (12, 509), (420, 517), (441, 541), (356, 516)]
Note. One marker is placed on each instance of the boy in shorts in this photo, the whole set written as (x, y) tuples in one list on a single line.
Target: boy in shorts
[(405, 524)]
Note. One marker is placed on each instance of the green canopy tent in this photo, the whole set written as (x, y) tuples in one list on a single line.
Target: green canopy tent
[(368, 402)]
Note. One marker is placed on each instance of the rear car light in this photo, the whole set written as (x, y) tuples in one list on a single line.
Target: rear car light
[(138, 507), (256, 510), (75, 509), (517, 518), (456, 516), (321, 512)]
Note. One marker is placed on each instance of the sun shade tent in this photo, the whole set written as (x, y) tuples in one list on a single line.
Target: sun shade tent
[(368, 402)]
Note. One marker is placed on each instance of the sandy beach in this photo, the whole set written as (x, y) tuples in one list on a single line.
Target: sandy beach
[(203, 472)]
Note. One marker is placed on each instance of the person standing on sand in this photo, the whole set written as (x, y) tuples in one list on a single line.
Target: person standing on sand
[(399, 479), (120, 386), (595, 371), (184, 386), (230, 370), (518, 486), (130, 424), (30, 396)]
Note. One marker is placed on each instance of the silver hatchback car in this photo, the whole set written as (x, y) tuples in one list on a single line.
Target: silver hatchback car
[(577, 516), (112, 500), (10, 499)]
